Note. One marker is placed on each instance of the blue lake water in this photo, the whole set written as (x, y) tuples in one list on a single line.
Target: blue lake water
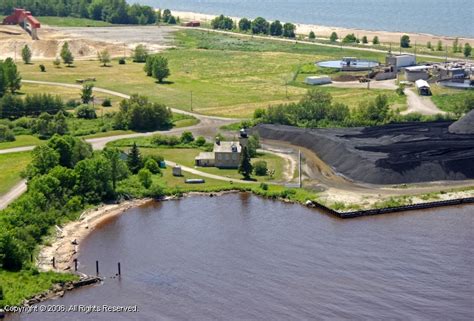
[(440, 17)]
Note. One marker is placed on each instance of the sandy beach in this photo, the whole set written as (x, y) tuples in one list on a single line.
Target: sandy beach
[(64, 246), (325, 31)]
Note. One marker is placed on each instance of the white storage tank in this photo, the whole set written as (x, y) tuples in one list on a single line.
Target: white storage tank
[(318, 80)]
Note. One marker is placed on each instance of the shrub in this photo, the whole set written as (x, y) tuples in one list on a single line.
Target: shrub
[(6, 135), (264, 186), (200, 141), (261, 168), (144, 175), (72, 103), (187, 137), (42, 68), (163, 140), (152, 166), (122, 61), (86, 112), (107, 102)]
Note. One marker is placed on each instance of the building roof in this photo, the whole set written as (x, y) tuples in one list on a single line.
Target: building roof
[(226, 147), (418, 68), (205, 156), (420, 83)]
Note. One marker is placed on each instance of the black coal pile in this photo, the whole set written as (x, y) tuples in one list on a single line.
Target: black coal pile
[(463, 126), (391, 154)]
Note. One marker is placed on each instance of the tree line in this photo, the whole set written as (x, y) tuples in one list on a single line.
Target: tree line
[(113, 11), (317, 109), (257, 26)]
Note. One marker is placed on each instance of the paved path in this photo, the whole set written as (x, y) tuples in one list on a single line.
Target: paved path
[(12, 194)]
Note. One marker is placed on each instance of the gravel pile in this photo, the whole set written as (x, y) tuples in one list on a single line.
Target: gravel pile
[(463, 126), (391, 154)]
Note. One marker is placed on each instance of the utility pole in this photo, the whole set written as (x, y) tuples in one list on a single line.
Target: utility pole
[(400, 44)]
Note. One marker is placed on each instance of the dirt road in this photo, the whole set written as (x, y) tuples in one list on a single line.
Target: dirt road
[(12, 194), (420, 104)]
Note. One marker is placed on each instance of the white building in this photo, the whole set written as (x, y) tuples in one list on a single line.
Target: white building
[(318, 80)]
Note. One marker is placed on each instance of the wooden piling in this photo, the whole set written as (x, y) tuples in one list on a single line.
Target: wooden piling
[(75, 265), (97, 267), (54, 262), (119, 270)]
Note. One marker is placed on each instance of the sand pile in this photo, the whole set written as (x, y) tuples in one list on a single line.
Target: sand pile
[(465, 125), (391, 154)]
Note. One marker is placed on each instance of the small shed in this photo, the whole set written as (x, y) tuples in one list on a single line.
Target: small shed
[(423, 87), (318, 80), (193, 23), (177, 171), (418, 72)]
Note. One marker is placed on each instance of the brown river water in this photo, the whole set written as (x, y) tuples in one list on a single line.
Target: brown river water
[(241, 257)]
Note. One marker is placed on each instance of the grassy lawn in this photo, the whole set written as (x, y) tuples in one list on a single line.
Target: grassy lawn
[(225, 75), (20, 285), (447, 98), (72, 22), (185, 156), (11, 166), (22, 140)]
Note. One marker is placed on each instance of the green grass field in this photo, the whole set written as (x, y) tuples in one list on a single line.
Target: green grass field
[(24, 284), (447, 98), (72, 22), (221, 74), (22, 140), (11, 166)]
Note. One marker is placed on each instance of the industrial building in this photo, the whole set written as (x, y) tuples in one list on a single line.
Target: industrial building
[(418, 72), (226, 154), (400, 61), (25, 20)]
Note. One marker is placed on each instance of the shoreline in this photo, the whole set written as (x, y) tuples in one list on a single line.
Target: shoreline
[(325, 31), (62, 247), (66, 243)]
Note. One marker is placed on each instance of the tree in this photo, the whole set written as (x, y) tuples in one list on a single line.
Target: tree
[(159, 67), (140, 53), (200, 141), (144, 175), (261, 168), (222, 22), (289, 30), (467, 50), (253, 145), (6, 135), (428, 45), (350, 38), (312, 35), (365, 40), (118, 167), (405, 41), (26, 54), (172, 20), (456, 45), (66, 54), (86, 93), (134, 159), (260, 25), (439, 46), (245, 167), (166, 15), (333, 37), (44, 159), (245, 24), (276, 28), (57, 62), (11, 75), (376, 40), (104, 57)]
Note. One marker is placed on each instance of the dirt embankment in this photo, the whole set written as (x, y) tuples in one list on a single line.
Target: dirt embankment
[(84, 42), (391, 154)]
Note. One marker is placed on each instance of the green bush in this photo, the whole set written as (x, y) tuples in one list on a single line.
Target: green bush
[(152, 166), (264, 186), (107, 102), (122, 61), (6, 135), (260, 168), (200, 141), (187, 137), (144, 175), (86, 112)]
